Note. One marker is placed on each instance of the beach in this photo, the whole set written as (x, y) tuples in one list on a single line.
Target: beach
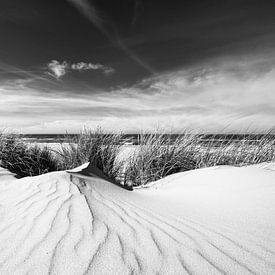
[(216, 220)]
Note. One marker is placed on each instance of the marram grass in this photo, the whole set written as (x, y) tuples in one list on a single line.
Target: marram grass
[(156, 156)]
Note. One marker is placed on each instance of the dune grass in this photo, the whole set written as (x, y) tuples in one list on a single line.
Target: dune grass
[(246, 151), (24, 160), (157, 155), (160, 155), (97, 147)]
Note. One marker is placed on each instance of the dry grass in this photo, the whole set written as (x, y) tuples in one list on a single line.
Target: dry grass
[(246, 151), (160, 155), (24, 160), (157, 155), (97, 147)]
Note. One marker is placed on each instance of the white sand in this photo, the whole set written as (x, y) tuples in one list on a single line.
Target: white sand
[(6, 175), (208, 221)]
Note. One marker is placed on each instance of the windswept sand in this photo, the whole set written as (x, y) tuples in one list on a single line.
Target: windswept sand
[(6, 175), (209, 221)]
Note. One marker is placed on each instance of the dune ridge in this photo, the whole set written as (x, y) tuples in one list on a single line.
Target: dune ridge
[(209, 221)]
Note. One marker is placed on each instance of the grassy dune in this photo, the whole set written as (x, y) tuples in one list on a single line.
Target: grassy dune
[(24, 160), (96, 147), (159, 155), (156, 156)]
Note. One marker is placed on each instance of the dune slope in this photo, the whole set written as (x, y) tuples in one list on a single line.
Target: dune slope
[(208, 221), (6, 175)]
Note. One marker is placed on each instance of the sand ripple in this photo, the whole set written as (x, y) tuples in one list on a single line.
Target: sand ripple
[(61, 223)]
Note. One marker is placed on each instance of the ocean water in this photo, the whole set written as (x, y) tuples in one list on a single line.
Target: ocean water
[(133, 139)]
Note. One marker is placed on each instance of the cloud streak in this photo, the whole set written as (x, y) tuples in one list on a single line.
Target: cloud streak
[(8, 69), (89, 11), (58, 69), (137, 8), (208, 97)]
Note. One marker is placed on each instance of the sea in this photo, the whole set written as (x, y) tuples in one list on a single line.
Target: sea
[(134, 139)]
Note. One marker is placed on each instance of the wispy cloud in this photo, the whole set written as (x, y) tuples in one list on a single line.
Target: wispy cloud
[(37, 74), (82, 66), (58, 69), (89, 10), (137, 8), (231, 94)]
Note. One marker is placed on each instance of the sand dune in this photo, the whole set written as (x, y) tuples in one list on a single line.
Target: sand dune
[(6, 175), (209, 221)]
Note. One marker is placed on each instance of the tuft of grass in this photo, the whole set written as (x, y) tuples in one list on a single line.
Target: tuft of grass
[(24, 160), (97, 147), (246, 151), (160, 155)]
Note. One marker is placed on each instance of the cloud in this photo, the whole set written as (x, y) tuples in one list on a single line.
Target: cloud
[(232, 94), (90, 12), (137, 7), (58, 69), (82, 66), (18, 74)]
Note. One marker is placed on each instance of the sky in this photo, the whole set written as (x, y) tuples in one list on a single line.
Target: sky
[(207, 66)]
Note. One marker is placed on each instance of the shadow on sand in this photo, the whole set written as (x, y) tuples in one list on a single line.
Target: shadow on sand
[(93, 172)]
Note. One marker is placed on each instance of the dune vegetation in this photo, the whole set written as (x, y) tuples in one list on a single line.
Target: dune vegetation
[(24, 160), (160, 155), (94, 146), (157, 155)]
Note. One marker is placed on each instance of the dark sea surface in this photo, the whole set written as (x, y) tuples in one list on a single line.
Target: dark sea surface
[(134, 138)]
